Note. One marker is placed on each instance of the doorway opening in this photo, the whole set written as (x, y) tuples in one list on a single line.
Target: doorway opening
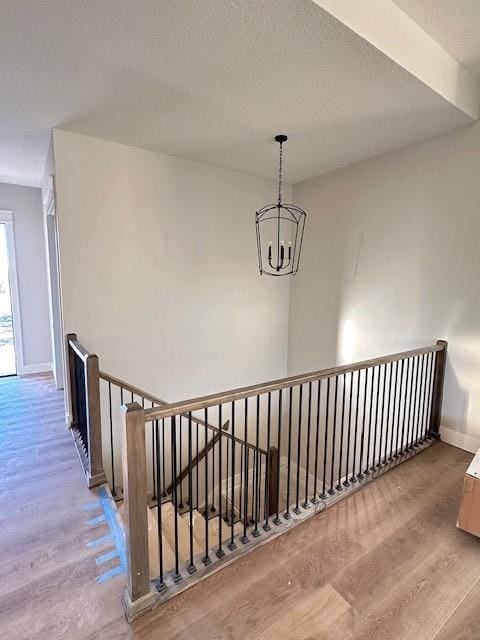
[(8, 365)]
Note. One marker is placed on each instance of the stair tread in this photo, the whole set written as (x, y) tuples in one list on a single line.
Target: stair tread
[(213, 529), (168, 556), (168, 529)]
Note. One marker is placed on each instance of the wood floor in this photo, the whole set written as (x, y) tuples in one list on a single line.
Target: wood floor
[(387, 563)]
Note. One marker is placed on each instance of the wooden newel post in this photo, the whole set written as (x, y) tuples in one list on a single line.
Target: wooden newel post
[(138, 596), (273, 474), (437, 393), (96, 474)]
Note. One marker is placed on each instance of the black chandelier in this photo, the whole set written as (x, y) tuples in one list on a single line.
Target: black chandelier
[(279, 232)]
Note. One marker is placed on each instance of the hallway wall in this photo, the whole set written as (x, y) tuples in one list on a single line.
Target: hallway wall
[(391, 261), (159, 268)]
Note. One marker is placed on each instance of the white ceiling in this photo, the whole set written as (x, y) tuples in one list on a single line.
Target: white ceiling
[(206, 80), (454, 24)]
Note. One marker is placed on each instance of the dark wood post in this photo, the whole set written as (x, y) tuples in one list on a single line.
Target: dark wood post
[(138, 596), (273, 475), (96, 474), (70, 359), (437, 393)]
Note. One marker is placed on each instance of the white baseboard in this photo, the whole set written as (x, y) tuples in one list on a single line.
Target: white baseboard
[(29, 369), (460, 440)]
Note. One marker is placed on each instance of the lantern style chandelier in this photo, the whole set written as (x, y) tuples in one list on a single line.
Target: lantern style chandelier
[(279, 231)]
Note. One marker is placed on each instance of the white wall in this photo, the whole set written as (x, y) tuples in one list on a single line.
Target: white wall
[(159, 269), (26, 204), (391, 261)]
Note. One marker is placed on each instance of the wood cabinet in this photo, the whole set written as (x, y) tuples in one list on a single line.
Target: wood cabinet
[(469, 514)]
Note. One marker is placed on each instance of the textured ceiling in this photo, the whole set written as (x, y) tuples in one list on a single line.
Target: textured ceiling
[(454, 24), (206, 80)]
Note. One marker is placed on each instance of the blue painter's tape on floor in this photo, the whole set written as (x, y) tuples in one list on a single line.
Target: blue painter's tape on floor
[(98, 542), (117, 535), (105, 557), (97, 520), (116, 571)]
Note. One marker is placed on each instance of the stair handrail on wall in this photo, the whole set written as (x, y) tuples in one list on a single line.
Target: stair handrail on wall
[(317, 437)]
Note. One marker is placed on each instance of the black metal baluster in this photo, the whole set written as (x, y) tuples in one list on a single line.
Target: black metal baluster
[(361, 475), (164, 493), (428, 377), (242, 474), (427, 395), (227, 477), (299, 448), (252, 500), (212, 506), (355, 440), (277, 520), (317, 434), (432, 370), (180, 465), (156, 495), (380, 449), (191, 567), (422, 397), (399, 409), (256, 532), (266, 526), (323, 495), (112, 458), (206, 560), (419, 401), (307, 451), (377, 403), (339, 486), (390, 458), (346, 482), (177, 575), (287, 513), (331, 491), (231, 545), (410, 403), (197, 467), (415, 395), (244, 538), (402, 443), (161, 586), (372, 386), (387, 417), (220, 552)]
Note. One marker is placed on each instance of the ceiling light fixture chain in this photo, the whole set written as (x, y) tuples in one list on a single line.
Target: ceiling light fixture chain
[(280, 167)]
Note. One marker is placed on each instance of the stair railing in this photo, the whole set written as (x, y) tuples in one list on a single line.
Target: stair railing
[(95, 400), (85, 417), (296, 445)]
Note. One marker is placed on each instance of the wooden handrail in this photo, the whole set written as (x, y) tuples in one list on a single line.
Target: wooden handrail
[(204, 402), (79, 348), (107, 377), (131, 388), (198, 458)]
